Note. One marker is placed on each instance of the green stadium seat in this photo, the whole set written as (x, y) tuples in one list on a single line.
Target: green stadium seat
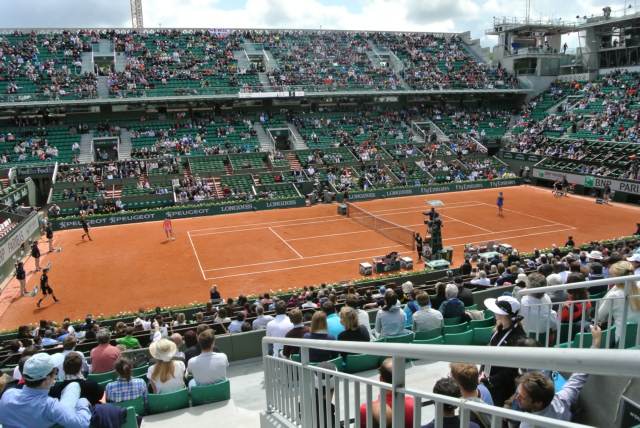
[(131, 420), (439, 340), (425, 335), (102, 377), (205, 394), (160, 403), (137, 371), (402, 338), (465, 338), (487, 322), (452, 321), (354, 363), (482, 335), (137, 405), (455, 328)]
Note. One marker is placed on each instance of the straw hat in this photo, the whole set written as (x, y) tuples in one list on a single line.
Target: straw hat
[(163, 350)]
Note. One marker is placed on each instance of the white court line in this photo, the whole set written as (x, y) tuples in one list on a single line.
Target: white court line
[(286, 243), (303, 221), (260, 226), (468, 224), (196, 254), (366, 249), (532, 216), (414, 225), (427, 207), (263, 224), (308, 257), (360, 258)]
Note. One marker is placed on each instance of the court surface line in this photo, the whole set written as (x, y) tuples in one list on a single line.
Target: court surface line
[(428, 207), (468, 224), (532, 216), (360, 258), (197, 258), (414, 225), (308, 257), (363, 250), (286, 243), (301, 222)]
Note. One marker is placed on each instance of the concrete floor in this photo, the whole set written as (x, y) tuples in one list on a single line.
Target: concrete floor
[(248, 397)]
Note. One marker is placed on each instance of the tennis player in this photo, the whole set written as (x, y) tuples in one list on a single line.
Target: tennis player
[(500, 203), (85, 227), (168, 228), (45, 287)]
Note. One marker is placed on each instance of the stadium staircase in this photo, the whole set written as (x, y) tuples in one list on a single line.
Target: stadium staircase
[(298, 141), (124, 150), (264, 80), (87, 62), (86, 148), (292, 158), (103, 87), (120, 62), (270, 62), (266, 144), (474, 49), (241, 58), (440, 134)]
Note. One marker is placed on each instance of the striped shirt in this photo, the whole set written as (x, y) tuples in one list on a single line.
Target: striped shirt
[(122, 390)]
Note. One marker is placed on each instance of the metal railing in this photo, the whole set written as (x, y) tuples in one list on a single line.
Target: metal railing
[(310, 396), (614, 311)]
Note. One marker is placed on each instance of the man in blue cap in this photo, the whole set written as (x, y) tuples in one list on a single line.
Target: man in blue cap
[(31, 406)]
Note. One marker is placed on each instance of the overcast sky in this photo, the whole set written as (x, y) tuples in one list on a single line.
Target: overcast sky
[(409, 15)]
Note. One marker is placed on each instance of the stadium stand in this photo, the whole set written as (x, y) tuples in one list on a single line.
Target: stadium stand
[(226, 153)]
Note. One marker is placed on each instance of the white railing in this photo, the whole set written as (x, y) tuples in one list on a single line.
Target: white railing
[(627, 333), (302, 394)]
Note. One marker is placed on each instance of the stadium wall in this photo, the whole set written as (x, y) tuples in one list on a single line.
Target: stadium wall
[(429, 189), (234, 207), (14, 246)]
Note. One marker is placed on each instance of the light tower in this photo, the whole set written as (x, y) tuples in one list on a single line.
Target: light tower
[(136, 14)]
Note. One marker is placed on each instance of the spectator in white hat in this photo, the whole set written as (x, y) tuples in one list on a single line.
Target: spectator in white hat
[(635, 261), (32, 407), (166, 375), (501, 381)]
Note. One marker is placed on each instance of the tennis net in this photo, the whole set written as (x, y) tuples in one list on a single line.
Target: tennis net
[(400, 234)]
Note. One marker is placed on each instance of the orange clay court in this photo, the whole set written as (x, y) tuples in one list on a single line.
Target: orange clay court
[(130, 266)]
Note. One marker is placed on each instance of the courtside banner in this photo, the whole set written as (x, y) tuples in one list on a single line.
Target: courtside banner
[(14, 240), (432, 188), (590, 181), (177, 212)]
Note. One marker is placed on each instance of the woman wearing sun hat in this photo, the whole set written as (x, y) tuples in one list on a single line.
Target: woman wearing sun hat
[(501, 381), (166, 375)]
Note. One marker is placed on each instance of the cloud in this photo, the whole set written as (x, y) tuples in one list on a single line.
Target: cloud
[(383, 15), (65, 13)]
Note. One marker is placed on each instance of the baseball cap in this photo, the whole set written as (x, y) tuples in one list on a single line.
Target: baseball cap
[(38, 366), (503, 305), (595, 255)]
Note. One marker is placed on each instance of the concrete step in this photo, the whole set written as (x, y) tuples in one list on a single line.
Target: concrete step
[(293, 161), (124, 150), (298, 141), (266, 144), (103, 87), (87, 62), (86, 148)]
